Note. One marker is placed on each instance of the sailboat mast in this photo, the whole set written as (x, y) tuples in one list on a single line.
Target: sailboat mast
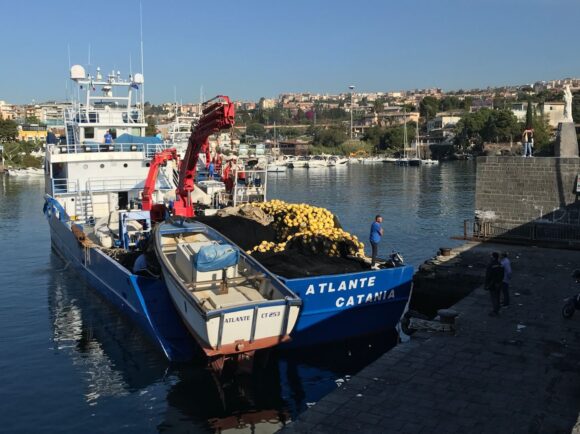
[(417, 150), (404, 133)]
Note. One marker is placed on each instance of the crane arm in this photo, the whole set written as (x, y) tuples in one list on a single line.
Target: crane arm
[(157, 161), (216, 117)]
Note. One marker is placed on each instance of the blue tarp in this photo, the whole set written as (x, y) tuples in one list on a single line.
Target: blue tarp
[(216, 257), (129, 138)]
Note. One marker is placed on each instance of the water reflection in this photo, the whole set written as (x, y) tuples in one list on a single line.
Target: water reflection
[(117, 362)]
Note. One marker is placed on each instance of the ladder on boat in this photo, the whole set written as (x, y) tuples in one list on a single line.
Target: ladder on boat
[(84, 207)]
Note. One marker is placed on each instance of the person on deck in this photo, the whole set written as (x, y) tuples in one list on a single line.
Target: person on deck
[(51, 138), (108, 138), (493, 282), (375, 238), (211, 170)]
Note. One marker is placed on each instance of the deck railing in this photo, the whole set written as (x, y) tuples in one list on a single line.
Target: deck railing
[(64, 185), (148, 149)]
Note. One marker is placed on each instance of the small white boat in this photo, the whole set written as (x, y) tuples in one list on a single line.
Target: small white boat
[(390, 160), (300, 163), (278, 164), (318, 161), (30, 171), (338, 160), (372, 160), (229, 302)]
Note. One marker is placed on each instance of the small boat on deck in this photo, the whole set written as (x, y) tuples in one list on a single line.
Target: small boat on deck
[(230, 303)]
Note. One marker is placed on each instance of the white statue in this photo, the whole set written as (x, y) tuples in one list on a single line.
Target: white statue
[(568, 107)]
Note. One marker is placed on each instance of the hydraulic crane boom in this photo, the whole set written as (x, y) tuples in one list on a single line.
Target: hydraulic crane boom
[(216, 117), (156, 162)]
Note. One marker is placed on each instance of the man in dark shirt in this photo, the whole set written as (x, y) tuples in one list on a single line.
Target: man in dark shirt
[(493, 282), (375, 238)]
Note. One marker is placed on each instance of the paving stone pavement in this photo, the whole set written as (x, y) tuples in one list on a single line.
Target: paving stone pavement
[(518, 373)]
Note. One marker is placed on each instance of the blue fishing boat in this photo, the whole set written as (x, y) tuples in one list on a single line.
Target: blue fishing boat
[(101, 204)]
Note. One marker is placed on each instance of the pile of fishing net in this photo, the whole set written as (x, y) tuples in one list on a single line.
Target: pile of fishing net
[(308, 229), (302, 240)]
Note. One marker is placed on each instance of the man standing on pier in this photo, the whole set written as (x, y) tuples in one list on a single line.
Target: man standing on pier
[(507, 276), (375, 238), (493, 282)]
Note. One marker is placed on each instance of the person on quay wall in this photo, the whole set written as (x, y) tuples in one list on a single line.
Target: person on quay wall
[(375, 238), (507, 276), (493, 282), (528, 139)]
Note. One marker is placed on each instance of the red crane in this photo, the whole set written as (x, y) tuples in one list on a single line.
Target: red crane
[(157, 161), (216, 117)]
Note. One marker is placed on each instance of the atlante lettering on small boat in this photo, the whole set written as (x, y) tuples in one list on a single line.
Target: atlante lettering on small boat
[(237, 319)]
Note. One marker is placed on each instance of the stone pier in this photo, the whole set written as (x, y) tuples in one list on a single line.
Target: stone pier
[(518, 373)]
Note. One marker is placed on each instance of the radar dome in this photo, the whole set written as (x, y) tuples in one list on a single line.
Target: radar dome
[(77, 72), (138, 79)]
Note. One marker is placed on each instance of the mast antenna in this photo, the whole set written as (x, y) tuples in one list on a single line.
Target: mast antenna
[(142, 61)]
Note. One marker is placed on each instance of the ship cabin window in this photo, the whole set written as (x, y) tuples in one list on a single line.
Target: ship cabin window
[(136, 131), (89, 133), (93, 117), (113, 132)]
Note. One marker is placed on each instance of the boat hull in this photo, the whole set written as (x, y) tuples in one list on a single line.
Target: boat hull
[(334, 307), (241, 326), (144, 300), (339, 307)]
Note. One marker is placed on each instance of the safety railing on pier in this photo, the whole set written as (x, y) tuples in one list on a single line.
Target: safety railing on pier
[(531, 232)]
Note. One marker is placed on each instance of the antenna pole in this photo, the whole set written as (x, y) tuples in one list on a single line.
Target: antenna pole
[(142, 62)]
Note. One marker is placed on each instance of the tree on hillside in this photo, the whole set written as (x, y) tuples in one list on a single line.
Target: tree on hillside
[(500, 126), (151, 128), (379, 105), (331, 137), (8, 130), (428, 107), (449, 103), (576, 107), (32, 120), (529, 115), (257, 130), (542, 133)]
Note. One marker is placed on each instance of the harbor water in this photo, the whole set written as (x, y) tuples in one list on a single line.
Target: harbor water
[(70, 363)]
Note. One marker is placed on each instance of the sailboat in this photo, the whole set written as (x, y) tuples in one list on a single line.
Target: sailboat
[(416, 160), (278, 162), (406, 160)]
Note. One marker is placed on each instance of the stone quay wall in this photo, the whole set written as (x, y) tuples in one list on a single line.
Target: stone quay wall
[(515, 192)]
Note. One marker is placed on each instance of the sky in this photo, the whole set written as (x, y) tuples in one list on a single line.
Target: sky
[(251, 49)]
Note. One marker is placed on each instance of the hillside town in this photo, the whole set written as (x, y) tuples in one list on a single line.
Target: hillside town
[(352, 121)]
